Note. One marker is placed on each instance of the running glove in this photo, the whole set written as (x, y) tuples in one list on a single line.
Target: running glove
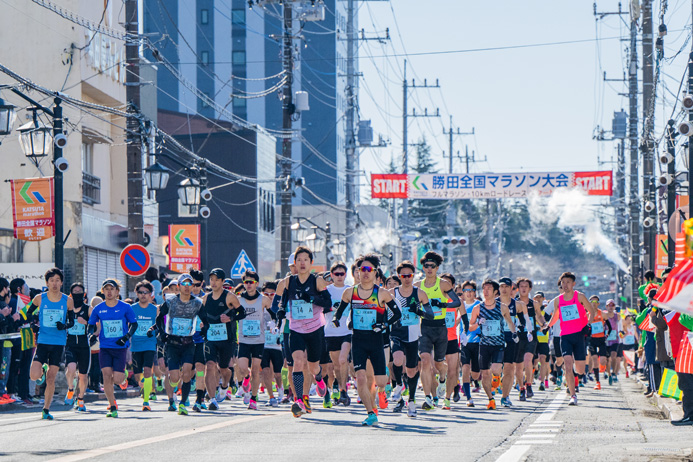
[(60, 325), (438, 303), (93, 339), (379, 327), (529, 337), (281, 314), (305, 296), (151, 330), (516, 338), (122, 340)]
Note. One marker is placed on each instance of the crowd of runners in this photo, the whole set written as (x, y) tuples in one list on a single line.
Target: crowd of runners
[(310, 334)]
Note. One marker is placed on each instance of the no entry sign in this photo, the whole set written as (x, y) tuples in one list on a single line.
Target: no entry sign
[(134, 259)]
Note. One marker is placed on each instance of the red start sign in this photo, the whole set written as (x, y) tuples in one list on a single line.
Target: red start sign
[(389, 186), (595, 183)]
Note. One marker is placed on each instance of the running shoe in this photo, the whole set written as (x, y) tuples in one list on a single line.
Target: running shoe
[(321, 388), (530, 392), (335, 394), (397, 393), (388, 390), (172, 408), (246, 398), (159, 385), (573, 401), (233, 388), (440, 391), (70, 398), (187, 402), (542, 387), (112, 413), (382, 400), (558, 387), (611, 379), (615, 378), (42, 379), (196, 407), (491, 404), (523, 396), (152, 396), (399, 407), (246, 385), (627, 374), (411, 409), (298, 409), (146, 407), (273, 402), (476, 389), (213, 405), (253, 405), (286, 399), (371, 420), (456, 395), (598, 386), (46, 415), (306, 405), (428, 404), (80, 406), (327, 402), (446, 404), (505, 402), (470, 402), (182, 410)]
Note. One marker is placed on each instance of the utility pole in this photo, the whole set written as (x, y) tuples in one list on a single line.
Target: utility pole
[(350, 134), (58, 187), (134, 136), (634, 196), (647, 144), (287, 112), (671, 189)]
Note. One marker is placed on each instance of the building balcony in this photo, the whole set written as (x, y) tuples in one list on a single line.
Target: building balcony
[(91, 189)]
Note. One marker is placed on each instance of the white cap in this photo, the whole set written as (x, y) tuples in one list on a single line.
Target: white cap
[(292, 259)]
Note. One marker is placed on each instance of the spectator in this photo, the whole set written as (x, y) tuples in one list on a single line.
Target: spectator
[(6, 326), (684, 369), (18, 383)]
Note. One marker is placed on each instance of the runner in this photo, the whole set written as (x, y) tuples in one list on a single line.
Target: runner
[(176, 323), (597, 341), (77, 351), (200, 345), (272, 352), (488, 316), (470, 342), (613, 326), (572, 308), (143, 345), (305, 297), (219, 315), (543, 354), (433, 344), (117, 324), (405, 335), (631, 339), (369, 317), (452, 354), (56, 314), (338, 339), (252, 317), (524, 358), (518, 314)]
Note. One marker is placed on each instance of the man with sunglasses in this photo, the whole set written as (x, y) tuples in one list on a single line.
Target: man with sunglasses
[(199, 340), (118, 324), (305, 298), (453, 318), (469, 356), (405, 335), (143, 347), (176, 322), (218, 316), (369, 317), (433, 344), (253, 317), (338, 339)]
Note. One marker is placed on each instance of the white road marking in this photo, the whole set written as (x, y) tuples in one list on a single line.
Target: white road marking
[(514, 454)]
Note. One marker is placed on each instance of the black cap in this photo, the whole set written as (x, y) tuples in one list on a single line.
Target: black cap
[(110, 282), (218, 272), (506, 281), (228, 282), (540, 293)]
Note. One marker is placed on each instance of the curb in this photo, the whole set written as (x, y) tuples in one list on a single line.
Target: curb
[(669, 407)]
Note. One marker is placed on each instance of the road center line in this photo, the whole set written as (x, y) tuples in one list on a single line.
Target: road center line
[(156, 439)]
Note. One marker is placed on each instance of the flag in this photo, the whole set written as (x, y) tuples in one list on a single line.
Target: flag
[(646, 324), (684, 361), (676, 293), (669, 386)]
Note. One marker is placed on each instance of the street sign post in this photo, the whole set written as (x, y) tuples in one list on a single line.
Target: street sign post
[(134, 260), (242, 265)]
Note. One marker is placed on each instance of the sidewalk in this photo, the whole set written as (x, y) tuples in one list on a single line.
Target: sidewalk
[(671, 408)]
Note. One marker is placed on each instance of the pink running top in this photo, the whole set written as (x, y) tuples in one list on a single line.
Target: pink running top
[(573, 315)]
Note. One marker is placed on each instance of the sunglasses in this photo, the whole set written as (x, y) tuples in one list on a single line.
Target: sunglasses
[(339, 275), (406, 276), (467, 290), (268, 294), (143, 293), (430, 265), (249, 282), (366, 269), (185, 284), (197, 284)]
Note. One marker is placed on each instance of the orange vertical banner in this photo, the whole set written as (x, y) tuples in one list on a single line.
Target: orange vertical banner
[(662, 254), (33, 209), (184, 247)]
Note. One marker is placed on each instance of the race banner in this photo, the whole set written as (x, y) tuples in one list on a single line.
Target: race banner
[(33, 211), (184, 247), (488, 185)]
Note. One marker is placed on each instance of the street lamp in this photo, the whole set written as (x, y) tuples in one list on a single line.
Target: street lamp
[(189, 192), (35, 139), (7, 116), (156, 176)]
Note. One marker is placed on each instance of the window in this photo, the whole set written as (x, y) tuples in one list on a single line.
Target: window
[(240, 103), (204, 58), (239, 58), (88, 157), (238, 17), (204, 16)]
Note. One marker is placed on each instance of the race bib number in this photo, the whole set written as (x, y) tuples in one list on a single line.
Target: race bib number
[(450, 319), (217, 332), (271, 340), (613, 336), (569, 313), (112, 328), (491, 328), (181, 327), (437, 310), (629, 339), (364, 319), (77, 329), (251, 328), (597, 328), (51, 317), (408, 318), (142, 327), (301, 309)]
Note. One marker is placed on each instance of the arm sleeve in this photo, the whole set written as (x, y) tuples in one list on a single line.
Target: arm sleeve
[(275, 303), (29, 310), (132, 328), (455, 299), (465, 321), (163, 311), (239, 313), (70, 319), (324, 300), (340, 311), (396, 312), (529, 326)]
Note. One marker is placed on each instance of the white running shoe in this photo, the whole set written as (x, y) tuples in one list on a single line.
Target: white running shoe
[(246, 398), (280, 394), (397, 393), (441, 390), (221, 394), (573, 401), (411, 409)]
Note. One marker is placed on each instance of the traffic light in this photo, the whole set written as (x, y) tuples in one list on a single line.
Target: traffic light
[(455, 240), (446, 240), (586, 281)]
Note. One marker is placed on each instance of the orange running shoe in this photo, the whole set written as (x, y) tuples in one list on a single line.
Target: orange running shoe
[(491, 404), (495, 382), (598, 386), (382, 400)]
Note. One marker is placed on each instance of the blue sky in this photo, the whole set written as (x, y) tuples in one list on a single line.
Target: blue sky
[(532, 108)]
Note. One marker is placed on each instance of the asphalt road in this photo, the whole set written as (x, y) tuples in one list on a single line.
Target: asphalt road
[(616, 423)]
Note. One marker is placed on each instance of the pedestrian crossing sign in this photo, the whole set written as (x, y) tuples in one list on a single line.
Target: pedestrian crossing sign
[(242, 265)]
